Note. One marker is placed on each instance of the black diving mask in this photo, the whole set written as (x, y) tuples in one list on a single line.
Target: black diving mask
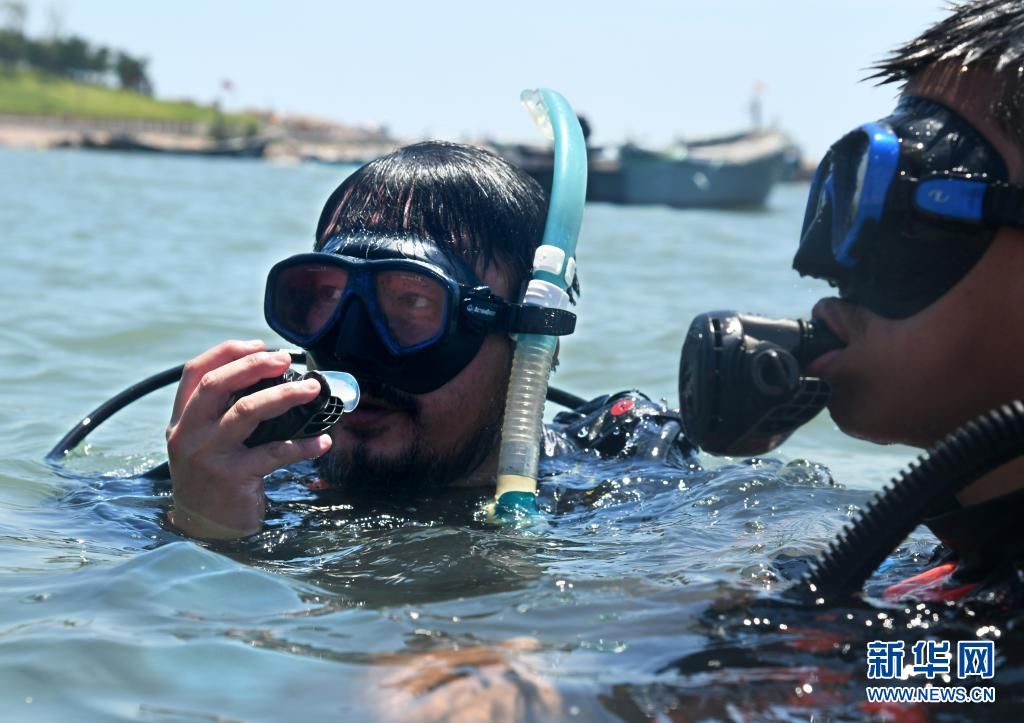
[(901, 209), (395, 308)]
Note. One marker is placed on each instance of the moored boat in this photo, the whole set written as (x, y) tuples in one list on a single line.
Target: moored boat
[(725, 171), (227, 148), (728, 171)]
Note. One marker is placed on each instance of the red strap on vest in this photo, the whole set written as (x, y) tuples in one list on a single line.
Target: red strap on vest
[(929, 585)]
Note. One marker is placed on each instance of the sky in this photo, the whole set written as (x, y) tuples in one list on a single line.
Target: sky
[(647, 71)]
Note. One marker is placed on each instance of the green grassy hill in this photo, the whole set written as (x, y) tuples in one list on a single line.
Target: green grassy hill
[(28, 92)]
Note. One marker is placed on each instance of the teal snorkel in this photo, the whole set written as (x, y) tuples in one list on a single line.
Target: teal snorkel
[(554, 269)]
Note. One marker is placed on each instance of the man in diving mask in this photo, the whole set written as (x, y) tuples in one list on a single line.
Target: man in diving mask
[(418, 258)]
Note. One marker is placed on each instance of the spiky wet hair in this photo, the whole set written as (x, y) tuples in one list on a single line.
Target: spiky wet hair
[(465, 199), (984, 34)]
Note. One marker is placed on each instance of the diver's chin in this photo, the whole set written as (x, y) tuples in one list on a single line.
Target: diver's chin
[(859, 421), (847, 422)]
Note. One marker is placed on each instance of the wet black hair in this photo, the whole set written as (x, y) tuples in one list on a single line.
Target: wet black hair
[(465, 199), (986, 34)]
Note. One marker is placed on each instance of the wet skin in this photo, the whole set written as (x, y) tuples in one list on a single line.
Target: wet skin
[(218, 482), (914, 380)]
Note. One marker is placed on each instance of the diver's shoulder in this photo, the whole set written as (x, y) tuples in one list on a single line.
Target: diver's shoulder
[(626, 423)]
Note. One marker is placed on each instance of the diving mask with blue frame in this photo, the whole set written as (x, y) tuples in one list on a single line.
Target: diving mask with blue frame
[(395, 308), (901, 209)]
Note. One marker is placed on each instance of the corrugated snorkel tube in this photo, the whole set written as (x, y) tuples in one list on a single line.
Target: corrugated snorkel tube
[(554, 269), (971, 451)]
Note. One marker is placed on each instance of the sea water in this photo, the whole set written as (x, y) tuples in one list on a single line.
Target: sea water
[(657, 596)]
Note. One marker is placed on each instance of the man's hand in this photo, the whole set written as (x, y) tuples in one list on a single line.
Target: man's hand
[(218, 481)]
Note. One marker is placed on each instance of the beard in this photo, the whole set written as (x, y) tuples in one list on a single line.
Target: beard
[(419, 471)]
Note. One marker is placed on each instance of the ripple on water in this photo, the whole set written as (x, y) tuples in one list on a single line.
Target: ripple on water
[(639, 595)]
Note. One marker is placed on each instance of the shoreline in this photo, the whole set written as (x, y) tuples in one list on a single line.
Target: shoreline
[(282, 142)]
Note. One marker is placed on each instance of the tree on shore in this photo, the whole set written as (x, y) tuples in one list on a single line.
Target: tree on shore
[(131, 74), (70, 57), (12, 38), (15, 14)]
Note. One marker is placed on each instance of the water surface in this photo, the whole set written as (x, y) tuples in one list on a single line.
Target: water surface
[(631, 605)]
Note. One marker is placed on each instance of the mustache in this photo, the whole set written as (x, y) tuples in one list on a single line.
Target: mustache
[(383, 391)]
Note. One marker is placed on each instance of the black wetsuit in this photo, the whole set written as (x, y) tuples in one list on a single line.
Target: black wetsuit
[(627, 425)]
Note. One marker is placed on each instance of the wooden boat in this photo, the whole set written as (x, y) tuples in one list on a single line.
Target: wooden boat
[(228, 148), (728, 171), (725, 171), (604, 176)]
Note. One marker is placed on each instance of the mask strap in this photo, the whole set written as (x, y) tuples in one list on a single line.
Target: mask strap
[(1004, 204), (530, 319), (992, 203), (485, 312)]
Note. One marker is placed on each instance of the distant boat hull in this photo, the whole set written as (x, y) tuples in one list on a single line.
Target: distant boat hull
[(693, 183), (738, 170), (605, 182), (239, 148)]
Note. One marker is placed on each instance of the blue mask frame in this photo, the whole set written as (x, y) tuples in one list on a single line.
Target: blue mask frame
[(854, 201)]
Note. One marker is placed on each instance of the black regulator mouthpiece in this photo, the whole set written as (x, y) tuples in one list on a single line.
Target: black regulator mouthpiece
[(742, 386), (339, 393)]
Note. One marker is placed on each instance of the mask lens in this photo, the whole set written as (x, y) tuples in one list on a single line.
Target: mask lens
[(862, 167), (305, 297), (815, 256), (849, 166), (817, 198), (414, 306)]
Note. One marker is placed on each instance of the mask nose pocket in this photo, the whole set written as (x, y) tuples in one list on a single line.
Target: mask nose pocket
[(358, 337)]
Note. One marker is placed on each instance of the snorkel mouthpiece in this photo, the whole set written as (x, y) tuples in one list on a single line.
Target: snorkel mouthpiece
[(742, 385), (554, 269), (534, 102)]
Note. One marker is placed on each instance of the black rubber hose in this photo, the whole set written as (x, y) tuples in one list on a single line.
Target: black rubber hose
[(138, 390), (118, 402), (113, 405), (564, 398), (973, 450)]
